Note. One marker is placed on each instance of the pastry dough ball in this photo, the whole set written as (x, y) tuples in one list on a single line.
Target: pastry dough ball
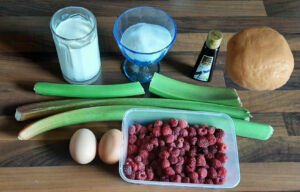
[(259, 58)]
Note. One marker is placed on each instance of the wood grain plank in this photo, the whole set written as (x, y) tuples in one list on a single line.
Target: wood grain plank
[(282, 8), (292, 121), (254, 177), (174, 8), (271, 101), (185, 42), (56, 152)]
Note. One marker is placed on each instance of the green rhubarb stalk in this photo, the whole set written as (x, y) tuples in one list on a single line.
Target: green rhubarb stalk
[(110, 113), (37, 110), (173, 89), (89, 91)]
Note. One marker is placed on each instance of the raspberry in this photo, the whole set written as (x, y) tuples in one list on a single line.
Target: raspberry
[(140, 166), (169, 139), (132, 176), (180, 161), (211, 130), (176, 130), (186, 146), (165, 163), (145, 161), (182, 152), (215, 163), (202, 131), (173, 122), (175, 152), (193, 176), (216, 180), (132, 139), (162, 143), (189, 168), (158, 123), (127, 169), (150, 126), (142, 136), (222, 157), (176, 179), (178, 169), (144, 154), (213, 149), (193, 152), (201, 161), (179, 144), (222, 147), (173, 160), (150, 174), (139, 142), (194, 181), (171, 145), (212, 173), (192, 162), (184, 133), (182, 174), (132, 149), (169, 171), (149, 147), (141, 175), (138, 159), (208, 181), (137, 128), (166, 130), (156, 131), (192, 132), (134, 166), (221, 182), (202, 172), (219, 133), (165, 179), (209, 155), (132, 130), (164, 155), (186, 180), (211, 139), (203, 142), (193, 140), (183, 124), (144, 130), (222, 172), (201, 181), (154, 142), (196, 126), (159, 172), (128, 160)]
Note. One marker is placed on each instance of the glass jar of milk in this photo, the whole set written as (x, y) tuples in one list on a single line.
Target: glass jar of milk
[(74, 31)]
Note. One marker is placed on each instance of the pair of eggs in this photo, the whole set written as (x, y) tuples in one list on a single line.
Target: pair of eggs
[(83, 146)]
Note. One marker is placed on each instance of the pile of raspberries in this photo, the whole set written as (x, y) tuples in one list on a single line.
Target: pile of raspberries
[(174, 151)]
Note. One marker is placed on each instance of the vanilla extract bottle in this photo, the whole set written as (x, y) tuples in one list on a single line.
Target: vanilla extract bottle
[(206, 61)]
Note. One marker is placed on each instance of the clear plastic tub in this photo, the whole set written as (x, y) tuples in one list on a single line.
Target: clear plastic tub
[(219, 120)]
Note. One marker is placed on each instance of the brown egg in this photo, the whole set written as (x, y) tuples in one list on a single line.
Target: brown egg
[(110, 146)]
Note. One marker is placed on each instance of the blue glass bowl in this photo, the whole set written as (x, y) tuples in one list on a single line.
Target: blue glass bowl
[(140, 66)]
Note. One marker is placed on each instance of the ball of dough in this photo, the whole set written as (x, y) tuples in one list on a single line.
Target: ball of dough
[(259, 58)]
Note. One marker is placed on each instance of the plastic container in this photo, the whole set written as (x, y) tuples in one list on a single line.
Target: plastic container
[(219, 120)]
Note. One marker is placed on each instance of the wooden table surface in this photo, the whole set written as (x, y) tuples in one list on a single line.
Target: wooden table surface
[(27, 55)]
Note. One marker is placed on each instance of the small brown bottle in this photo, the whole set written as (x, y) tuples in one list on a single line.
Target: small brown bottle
[(206, 61)]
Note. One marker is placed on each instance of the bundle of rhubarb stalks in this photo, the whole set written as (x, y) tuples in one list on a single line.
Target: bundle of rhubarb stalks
[(104, 103)]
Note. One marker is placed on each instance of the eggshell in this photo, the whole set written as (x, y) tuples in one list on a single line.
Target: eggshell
[(110, 146), (83, 146)]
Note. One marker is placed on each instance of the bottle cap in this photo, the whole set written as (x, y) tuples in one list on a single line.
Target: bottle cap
[(214, 39)]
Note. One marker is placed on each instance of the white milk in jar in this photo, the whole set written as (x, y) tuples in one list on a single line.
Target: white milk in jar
[(77, 47)]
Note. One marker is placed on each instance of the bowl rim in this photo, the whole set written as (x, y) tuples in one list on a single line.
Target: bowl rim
[(148, 53)]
